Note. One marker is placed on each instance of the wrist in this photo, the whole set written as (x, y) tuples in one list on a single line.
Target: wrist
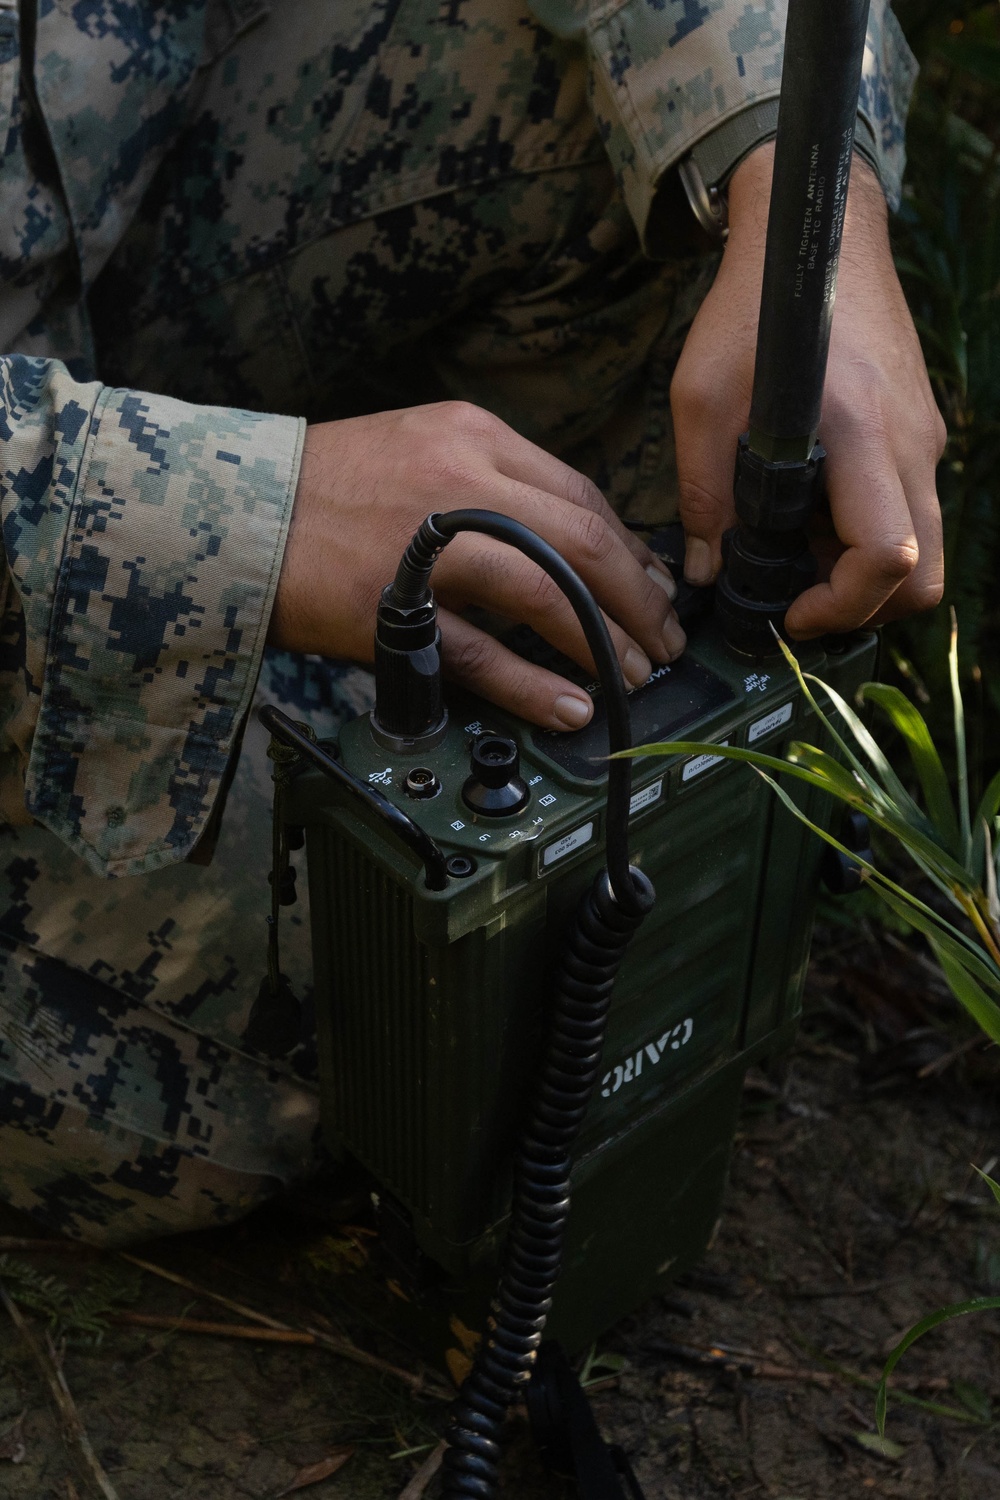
[(750, 192)]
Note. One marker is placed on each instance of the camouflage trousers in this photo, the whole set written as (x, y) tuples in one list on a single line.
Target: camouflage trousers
[(130, 1102)]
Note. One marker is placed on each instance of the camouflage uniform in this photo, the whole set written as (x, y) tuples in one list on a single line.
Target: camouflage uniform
[(316, 209)]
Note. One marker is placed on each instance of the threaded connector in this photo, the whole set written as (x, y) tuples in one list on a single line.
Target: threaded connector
[(409, 713)]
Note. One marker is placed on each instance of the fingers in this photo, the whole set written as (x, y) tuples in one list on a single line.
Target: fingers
[(365, 485), (503, 581), (520, 460), (883, 498), (636, 597), (923, 588), (479, 662)]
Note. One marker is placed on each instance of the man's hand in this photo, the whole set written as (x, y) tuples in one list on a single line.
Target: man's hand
[(880, 426), (365, 485)]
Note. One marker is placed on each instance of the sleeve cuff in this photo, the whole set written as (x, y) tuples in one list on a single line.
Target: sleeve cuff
[(164, 594), (715, 158), (718, 155), (659, 88)]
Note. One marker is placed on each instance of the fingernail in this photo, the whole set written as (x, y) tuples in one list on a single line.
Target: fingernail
[(636, 666), (698, 561), (659, 574), (573, 712), (674, 638)]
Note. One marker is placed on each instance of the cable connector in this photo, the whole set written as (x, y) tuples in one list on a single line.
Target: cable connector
[(409, 712)]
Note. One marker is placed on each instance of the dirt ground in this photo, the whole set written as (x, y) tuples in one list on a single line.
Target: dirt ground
[(852, 1212)]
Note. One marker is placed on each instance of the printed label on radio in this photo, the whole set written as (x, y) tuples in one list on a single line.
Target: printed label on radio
[(647, 1057), (646, 797), (770, 721), (567, 844), (701, 763)]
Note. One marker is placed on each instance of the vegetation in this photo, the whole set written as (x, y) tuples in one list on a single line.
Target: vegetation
[(940, 802), (953, 842), (75, 1315), (948, 253)]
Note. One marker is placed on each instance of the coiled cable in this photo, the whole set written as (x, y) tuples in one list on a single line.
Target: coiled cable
[(603, 925), (592, 957)]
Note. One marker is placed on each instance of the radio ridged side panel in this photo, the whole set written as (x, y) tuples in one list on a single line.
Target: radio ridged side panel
[(425, 1052), (371, 1018)]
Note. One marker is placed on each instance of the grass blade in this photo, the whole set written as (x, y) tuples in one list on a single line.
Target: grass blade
[(755, 758), (923, 753), (984, 1011), (961, 754), (992, 894), (862, 794), (985, 813), (956, 1310), (915, 911), (993, 1186), (891, 782), (960, 950), (861, 734)]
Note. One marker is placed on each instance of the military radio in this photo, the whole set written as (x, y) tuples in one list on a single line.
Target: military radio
[(541, 973)]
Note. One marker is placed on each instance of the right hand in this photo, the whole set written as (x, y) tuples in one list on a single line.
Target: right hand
[(365, 485)]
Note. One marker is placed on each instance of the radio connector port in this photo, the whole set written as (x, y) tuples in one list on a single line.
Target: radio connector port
[(421, 783), (495, 789)]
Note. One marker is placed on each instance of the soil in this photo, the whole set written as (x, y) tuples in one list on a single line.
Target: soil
[(852, 1212)]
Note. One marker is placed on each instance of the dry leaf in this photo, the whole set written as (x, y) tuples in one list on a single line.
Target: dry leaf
[(12, 1443), (313, 1473), (468, 1341), (883, 1447), (72, 1493), (422, 1478), (459, 1365)]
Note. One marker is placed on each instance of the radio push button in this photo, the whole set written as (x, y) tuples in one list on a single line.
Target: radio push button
[(495, 789)]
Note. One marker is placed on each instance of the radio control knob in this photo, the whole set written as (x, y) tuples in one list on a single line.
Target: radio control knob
[(495, 788)]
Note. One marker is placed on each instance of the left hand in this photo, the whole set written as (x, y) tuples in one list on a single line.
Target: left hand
[(881, 427)]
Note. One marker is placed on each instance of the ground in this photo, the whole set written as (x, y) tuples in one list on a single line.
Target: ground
[(852, 1212)]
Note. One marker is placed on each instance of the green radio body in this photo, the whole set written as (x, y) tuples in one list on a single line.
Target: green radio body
[(430, 1004)]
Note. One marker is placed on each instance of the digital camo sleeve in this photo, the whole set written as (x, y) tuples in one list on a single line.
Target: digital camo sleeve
[(142, 540), (664, 74)]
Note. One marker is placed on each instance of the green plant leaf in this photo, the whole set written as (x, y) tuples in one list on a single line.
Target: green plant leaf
[(923, 753), (961, 754), (933, 859), (992, 893), (755, 758), (842, 782), (981, 1008), (962, 950), (883, 1447), (974, 1398), (903, 901), (980, 58), (891, 781), (993, 1186), (985, 813), (943, 1314), (876, 755)]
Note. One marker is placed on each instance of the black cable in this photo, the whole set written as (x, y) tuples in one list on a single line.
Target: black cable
[(595, 949), (571, 1065), (412, 587)]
